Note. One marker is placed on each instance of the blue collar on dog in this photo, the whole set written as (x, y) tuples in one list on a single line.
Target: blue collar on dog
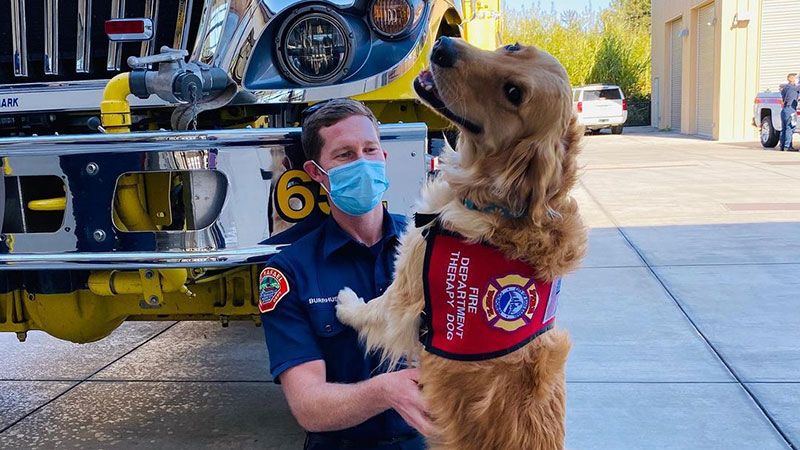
[(492, 208)]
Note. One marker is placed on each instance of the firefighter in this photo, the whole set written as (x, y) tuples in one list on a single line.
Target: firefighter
[(341, 396), (789, 94)]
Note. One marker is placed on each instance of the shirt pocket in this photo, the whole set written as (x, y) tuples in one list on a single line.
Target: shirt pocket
[(324, 321)]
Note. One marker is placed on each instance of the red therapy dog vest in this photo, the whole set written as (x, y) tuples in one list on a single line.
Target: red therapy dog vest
[(478, 304)]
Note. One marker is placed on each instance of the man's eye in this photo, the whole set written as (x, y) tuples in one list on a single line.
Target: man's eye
[(514, 47)]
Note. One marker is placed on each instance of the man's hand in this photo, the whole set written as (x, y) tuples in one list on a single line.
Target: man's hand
[(402, 391)]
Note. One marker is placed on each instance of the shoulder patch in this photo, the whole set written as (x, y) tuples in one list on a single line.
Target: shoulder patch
[(272, 286)]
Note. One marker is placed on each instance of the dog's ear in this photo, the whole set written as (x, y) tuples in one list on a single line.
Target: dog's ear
[(571, 142), (531, 174), (541, 170)]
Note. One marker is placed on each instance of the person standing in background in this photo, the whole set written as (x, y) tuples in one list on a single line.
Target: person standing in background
[(789, 93)]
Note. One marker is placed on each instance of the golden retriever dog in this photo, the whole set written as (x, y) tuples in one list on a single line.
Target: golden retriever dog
[(506, 185)]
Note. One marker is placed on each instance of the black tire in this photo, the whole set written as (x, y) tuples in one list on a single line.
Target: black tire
[(769, 135), (616, 130)]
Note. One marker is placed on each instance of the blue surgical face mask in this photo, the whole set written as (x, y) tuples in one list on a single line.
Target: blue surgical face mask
[(357, 187)]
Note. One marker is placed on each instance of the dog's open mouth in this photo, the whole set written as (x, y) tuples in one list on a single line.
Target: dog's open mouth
[(425, 86)]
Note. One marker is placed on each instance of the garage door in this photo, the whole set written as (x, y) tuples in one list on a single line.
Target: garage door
[(676, 66), (779, 22), (705, 70)]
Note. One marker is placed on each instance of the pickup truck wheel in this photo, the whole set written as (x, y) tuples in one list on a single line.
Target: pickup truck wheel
[(769, 135), (616, 130)]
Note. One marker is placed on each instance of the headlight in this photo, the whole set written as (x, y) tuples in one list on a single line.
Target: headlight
[(314, 48), (393, 18)]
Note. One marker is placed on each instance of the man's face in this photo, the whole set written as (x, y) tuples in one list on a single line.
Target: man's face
[(346, 141), (792, 79)]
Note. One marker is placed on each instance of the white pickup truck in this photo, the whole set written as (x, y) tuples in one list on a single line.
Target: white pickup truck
[(767, 116)]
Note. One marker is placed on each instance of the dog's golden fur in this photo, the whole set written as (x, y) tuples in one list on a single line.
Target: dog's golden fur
[(523, 160)]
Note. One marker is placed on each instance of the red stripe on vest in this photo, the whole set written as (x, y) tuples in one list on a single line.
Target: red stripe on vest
[(479, 304)]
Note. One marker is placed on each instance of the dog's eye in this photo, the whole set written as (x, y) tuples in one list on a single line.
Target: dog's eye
[(514, 47), (513, 93)]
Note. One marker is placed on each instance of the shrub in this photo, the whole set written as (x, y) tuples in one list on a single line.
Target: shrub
[(611, 46)]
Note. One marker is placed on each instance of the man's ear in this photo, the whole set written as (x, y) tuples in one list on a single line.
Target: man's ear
[(313, 171)]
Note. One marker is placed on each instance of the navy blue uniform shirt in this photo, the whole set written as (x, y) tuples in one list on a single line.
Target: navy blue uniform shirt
[(302, 326), (789, 94)]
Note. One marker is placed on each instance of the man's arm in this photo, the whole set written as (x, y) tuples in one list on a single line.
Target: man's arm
[(321, 406)]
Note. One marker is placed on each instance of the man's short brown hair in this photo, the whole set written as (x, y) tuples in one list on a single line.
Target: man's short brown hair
[(330, 113)]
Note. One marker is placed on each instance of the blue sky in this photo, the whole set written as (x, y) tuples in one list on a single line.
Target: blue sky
[(561, 5)]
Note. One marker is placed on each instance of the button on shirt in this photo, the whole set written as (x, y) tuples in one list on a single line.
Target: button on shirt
[(303, 326)]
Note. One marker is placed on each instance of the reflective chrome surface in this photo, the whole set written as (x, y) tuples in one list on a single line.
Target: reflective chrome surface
[(182, 25), (115, 48), (63, 96), (50, 43), (83, 52), (230, 29), (319, 93), (51, 37), (18, 38), (228, 26), (150, 12), (91, 164), (227, 35)]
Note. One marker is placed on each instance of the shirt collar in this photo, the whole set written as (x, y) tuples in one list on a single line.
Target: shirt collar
[(336, 237)]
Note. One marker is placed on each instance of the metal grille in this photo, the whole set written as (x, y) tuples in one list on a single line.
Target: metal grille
[(54, 24)]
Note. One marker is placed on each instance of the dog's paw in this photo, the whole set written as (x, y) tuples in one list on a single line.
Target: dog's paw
[(347, 306)]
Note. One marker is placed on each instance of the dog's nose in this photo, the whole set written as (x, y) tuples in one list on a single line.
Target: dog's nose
[(444, 52)]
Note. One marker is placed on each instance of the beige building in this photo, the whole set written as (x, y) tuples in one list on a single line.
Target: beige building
[(711, 58)]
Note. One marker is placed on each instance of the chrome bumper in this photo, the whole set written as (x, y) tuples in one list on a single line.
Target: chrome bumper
[(90, 166), (60, 96)]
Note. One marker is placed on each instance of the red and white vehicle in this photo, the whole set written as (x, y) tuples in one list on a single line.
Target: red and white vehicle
[(600, 106)]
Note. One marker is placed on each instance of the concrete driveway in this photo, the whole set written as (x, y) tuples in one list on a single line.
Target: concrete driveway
[(685, 320)]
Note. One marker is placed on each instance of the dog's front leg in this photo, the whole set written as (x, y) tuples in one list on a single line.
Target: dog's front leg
[(353, 311), (378, 323), (390, 323)]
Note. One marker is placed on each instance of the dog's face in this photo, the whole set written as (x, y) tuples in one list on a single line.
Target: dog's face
[(513, 106), (496, 97)]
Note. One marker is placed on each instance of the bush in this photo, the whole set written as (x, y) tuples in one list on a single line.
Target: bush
[(610, 47), (638, 111)]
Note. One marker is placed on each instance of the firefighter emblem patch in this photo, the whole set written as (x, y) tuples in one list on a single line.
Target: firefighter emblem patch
[(510, 302), (272, 287)]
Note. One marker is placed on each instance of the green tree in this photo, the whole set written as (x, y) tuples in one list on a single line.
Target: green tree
[(612, 46)]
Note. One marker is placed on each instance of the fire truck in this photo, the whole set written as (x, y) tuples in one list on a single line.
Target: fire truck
[(150, 150)]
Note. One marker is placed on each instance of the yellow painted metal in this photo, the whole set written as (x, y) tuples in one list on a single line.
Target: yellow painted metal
[(128, 204), (158, 186), (115, 282), (115, 111), (110, 298), (48, 204), (396, 102), (402, 87), (84, 316), (407, 112), (482, 23)]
